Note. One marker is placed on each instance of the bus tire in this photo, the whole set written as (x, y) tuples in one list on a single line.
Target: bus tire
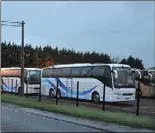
[(51, 92), (95, 97)]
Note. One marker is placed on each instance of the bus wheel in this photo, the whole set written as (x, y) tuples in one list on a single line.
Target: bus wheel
[(95, 97), (51, 92)]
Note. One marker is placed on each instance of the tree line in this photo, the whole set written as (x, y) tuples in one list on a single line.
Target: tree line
[(46, 56)]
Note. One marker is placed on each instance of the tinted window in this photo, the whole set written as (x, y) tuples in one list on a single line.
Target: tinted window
[(108, 78), (75, 71), (56, 72), (86, 71), (47, 72), (34, 77), (107, 70), (66, 71), (98, 71)]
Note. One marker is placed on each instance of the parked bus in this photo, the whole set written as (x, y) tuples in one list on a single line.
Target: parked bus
[(152, 72), (118, 80), (11, 78), (147, 82)]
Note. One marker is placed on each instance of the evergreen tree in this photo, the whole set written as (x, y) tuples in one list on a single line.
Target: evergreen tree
[(46, 56)]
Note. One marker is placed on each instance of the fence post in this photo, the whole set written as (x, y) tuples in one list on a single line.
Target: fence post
[(40, 92), (8, 85), (57, 93), (77, 99), (2, 86), (16, 87), (11, 86), (138, 90), (27, 89), (103, 103)]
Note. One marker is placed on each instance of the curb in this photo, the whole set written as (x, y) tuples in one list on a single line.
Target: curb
[(70, 122)]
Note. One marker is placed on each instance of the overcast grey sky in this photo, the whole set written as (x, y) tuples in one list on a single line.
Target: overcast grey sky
[(117, 28)]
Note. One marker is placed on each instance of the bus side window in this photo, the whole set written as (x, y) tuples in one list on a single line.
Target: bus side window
[(57, 72), (98, 71), (75, 71), (47, 72), (86, 71), (66, 72)]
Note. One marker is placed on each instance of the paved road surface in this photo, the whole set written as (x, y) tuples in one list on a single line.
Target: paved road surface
[(14, 121)]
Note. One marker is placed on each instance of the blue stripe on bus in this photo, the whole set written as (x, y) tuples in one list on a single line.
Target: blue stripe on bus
[(50, 84), (7, 88), (48, 81), (67, 90)]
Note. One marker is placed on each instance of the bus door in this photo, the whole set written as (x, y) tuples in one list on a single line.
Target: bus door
[(69, 87)]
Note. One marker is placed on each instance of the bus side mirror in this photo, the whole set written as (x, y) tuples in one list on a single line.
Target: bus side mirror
[(28, 77), (137, 75), (115, 74), (26, 80), (150, 77)]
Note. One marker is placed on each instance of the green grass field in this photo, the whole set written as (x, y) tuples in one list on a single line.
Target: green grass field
[(83, 112)]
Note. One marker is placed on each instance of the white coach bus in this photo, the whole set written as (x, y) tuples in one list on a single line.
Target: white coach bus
[(12, 80), (119, 81), (147, 82)]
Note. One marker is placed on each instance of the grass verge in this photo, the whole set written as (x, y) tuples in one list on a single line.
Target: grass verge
[(83, 112)]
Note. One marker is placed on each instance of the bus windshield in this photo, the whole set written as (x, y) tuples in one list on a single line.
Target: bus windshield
[(34, 76), (152, 73), (125, 79)]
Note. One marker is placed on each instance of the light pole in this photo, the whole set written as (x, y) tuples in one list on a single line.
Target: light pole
[(18, 24)]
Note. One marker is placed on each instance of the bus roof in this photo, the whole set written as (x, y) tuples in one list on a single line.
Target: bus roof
[(118, 65), (86, 64), (70, 65), (17, 68)]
